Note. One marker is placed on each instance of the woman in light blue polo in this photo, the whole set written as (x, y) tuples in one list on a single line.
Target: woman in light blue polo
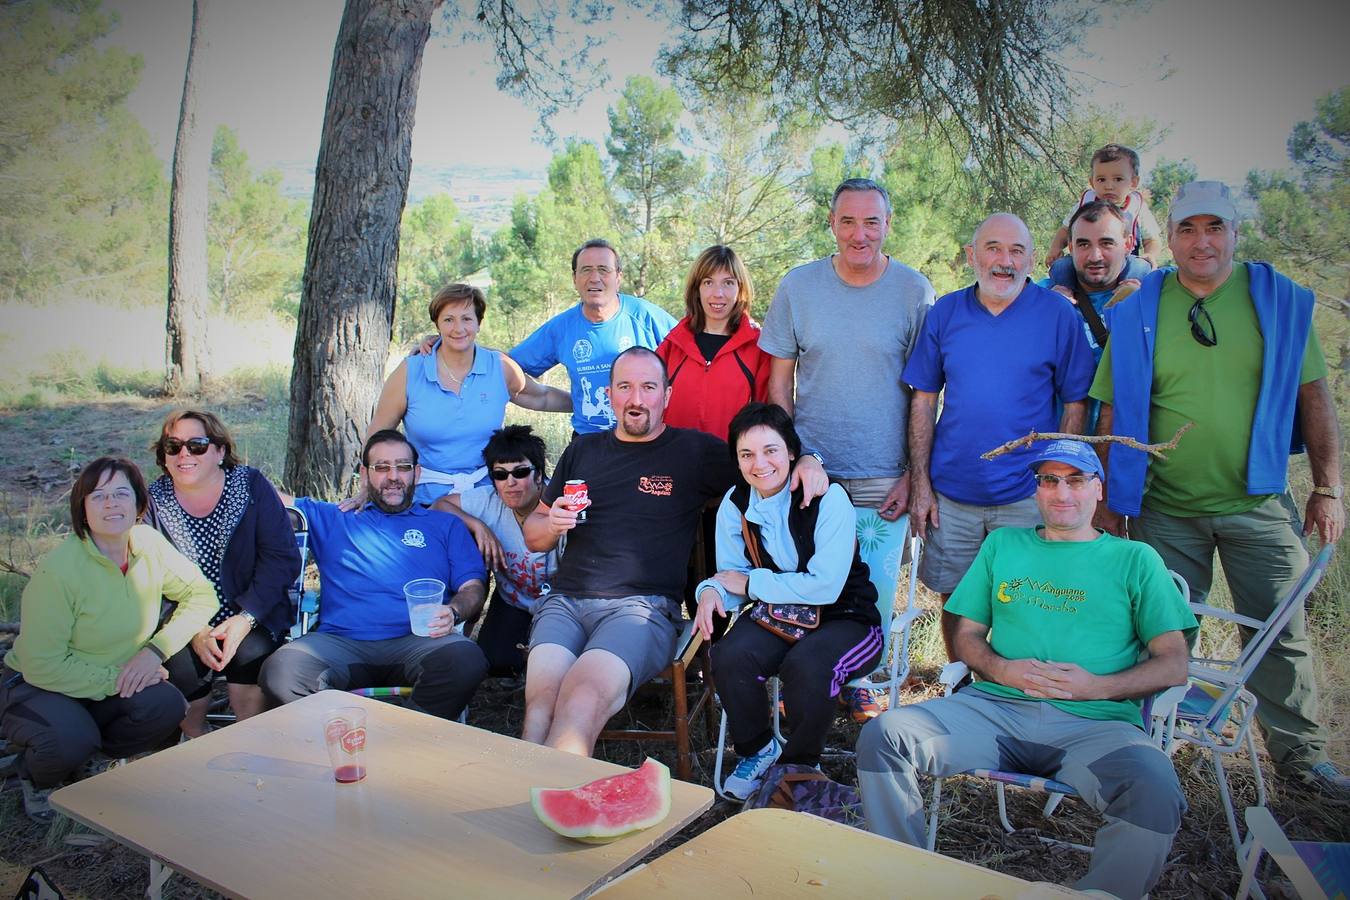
[(452, 399)]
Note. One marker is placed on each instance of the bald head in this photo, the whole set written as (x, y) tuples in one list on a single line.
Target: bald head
[(1002, 222)]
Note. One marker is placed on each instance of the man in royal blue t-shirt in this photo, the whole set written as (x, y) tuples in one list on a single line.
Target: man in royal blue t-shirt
[(364, 636), (587, 337), (1002, 351)]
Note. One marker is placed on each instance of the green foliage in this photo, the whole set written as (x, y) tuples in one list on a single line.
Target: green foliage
[(82, 196), (751, 195), (1302, 223), (1163, 181), (436, 247), (654, 177), (532, 258), (255, 236)]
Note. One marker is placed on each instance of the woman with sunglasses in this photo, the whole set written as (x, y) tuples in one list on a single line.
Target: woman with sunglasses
[(453, 397), (515, 461), (85, 680), (225, 517)]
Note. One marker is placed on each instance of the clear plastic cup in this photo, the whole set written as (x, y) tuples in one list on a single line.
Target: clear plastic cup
[(424, 600), (344, 731)]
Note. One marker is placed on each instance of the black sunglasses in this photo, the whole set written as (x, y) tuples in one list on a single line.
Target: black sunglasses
[(518, 472), (1202, 326), (196, 446)]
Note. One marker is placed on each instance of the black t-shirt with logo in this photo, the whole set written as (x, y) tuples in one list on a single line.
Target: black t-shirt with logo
[(646, 497)]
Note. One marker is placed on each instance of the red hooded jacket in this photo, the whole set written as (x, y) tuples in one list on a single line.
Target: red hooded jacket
[(705, 395)]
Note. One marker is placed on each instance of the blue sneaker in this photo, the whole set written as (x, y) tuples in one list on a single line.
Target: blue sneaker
[(750, 771)]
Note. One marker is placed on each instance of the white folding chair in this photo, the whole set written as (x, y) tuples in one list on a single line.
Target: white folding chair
[(1317, 869), (885, 547), (1218, 711)]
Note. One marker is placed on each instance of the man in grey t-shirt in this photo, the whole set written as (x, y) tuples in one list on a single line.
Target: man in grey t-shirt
[(844, 327)]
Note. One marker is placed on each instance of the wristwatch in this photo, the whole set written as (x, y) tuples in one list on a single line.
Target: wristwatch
[(820, 459), (250, 618), (1334, 492)]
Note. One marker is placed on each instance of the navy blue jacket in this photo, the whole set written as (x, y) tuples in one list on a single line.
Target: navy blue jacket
[(261, 560)]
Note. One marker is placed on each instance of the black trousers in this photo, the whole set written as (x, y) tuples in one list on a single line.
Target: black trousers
[(812, 671), (56, 733), (505, 628), (190, 675)]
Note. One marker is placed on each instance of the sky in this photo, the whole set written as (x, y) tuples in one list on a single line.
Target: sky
[(1228, 79)]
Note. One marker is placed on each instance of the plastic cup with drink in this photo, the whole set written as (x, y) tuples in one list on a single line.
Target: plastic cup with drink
[(424, 601), (344, 731)]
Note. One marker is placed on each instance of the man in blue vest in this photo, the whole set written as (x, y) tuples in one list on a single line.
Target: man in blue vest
[(1233, 350)]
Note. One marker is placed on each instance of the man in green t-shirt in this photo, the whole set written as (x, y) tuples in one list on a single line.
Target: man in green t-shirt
[(1055, 621), (1232, 349)]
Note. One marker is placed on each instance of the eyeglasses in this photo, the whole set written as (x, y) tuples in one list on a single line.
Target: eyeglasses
[(1202, 326), (121, 495), (384, 468), (588, 271), (1075, 482), (517, 473), (196, 446)]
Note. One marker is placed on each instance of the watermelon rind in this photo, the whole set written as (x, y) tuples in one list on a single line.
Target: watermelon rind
[(608, 808)]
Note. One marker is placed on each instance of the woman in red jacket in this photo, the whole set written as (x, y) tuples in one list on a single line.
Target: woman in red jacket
[(713, 354), (715, 366)]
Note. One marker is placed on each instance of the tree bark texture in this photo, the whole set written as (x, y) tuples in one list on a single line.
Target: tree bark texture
[(360, 187), (186, 349)]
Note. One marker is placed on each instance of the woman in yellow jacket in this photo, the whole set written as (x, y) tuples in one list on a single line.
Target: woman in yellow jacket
[(86, 674)]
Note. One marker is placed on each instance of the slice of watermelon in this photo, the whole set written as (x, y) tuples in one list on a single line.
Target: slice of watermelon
[(609, 808)]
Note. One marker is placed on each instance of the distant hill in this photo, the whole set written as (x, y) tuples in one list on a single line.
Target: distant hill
[(482, 193)]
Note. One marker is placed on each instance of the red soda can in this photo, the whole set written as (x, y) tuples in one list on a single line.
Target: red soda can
[(577, 496)]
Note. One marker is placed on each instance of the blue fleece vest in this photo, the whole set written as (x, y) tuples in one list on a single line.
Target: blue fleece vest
[(1284, 311)]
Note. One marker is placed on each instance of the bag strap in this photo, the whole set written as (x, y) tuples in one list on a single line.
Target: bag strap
[(751, 543), (1089, 313)]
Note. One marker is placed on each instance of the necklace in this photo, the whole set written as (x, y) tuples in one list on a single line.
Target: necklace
[(444, 366)]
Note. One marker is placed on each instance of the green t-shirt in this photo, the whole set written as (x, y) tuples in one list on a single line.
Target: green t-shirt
[(1214, 387), (1094, 603)]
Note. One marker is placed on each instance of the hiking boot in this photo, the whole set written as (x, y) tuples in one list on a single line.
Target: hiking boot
[(35, 802), (1327, 780), (750, 771), (862, 704)]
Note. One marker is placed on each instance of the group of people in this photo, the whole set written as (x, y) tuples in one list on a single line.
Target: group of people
[(831, 405)]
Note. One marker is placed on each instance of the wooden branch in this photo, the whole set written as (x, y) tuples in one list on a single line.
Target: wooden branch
[(1027, 440)]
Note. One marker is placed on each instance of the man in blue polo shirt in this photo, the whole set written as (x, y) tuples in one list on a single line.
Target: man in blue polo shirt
[(1002, 351), (364, 637), (587, 337)]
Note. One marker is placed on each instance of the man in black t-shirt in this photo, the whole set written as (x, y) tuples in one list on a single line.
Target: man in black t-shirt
[(609, 622)]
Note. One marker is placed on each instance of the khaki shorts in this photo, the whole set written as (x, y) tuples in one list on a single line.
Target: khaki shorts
[(951, 549), (640, 630)]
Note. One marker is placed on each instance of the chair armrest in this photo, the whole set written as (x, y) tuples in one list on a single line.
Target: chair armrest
[(906, 618), (952, 674), (1201, 609), (1166, 701)]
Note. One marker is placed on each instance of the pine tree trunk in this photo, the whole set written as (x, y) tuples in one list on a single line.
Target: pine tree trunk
[(360, 187), (186, 349)]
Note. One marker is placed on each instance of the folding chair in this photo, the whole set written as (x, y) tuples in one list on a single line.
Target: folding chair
[(882, 545), (689, 645), (1160, 711), (1318, 869), (1218, 700)]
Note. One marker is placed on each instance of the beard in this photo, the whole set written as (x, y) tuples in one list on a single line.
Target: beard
[(384, 506), (640, 428)]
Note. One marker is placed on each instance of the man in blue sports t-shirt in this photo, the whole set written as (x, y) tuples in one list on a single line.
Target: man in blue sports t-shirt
[(364, 637), (1002, 352), (587, 337)]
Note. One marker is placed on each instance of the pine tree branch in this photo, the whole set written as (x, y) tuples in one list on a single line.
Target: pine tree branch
[(1027, 440)]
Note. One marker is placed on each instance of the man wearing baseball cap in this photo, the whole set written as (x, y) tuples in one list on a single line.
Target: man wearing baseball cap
[(1233, 350), (1052, 620)]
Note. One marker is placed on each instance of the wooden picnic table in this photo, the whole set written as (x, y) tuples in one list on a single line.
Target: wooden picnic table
[(252, 810)]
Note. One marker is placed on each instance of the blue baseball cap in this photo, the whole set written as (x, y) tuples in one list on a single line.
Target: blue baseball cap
[(1072, 453)]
